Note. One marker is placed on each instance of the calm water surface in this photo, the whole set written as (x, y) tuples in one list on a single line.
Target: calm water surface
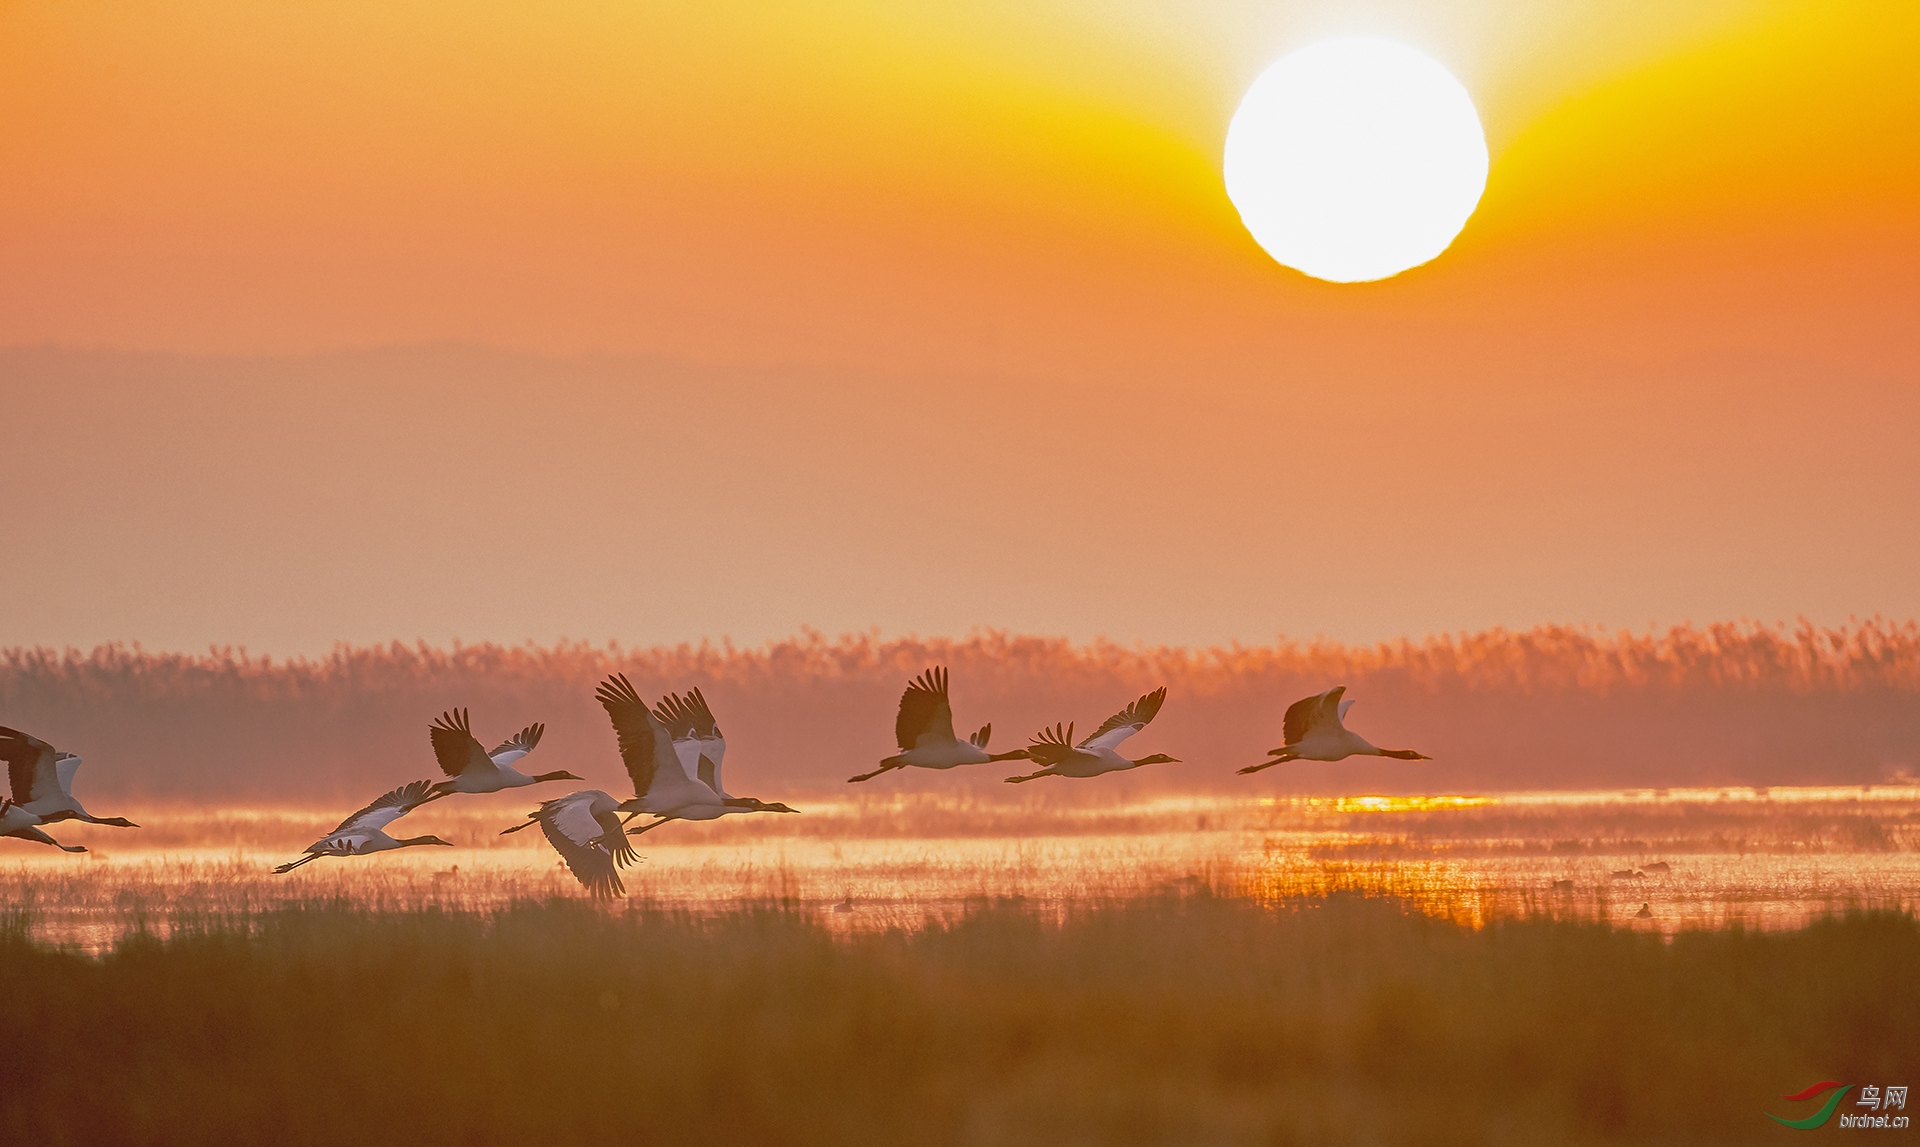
[(1691, 858)]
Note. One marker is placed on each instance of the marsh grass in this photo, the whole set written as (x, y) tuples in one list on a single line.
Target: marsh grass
[(1166, 1019)]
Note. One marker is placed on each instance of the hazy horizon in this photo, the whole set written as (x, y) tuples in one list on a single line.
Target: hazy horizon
[(1546, 708), (286, 503)]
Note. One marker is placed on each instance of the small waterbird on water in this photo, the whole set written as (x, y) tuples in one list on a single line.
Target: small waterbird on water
[(41, 778), (1055, 751), (365, 831), (16, 821), (1314, 733), (477, 770), (924, 731)]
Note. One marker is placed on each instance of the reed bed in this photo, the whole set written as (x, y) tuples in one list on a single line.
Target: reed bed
[(1189, 1018), (1547, 708)]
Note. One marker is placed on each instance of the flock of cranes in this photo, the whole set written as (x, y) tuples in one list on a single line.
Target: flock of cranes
[(674, 752)]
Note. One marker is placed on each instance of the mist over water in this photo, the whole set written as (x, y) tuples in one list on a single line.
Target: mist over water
[(1691, 859)]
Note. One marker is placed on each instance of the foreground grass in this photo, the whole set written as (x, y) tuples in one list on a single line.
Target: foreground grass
[(1176, 1021)]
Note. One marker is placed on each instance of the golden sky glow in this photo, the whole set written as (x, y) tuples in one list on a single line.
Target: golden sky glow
[(1673, 337), (231, 176)]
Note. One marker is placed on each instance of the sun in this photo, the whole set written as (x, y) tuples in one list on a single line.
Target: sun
[(1355, 159)]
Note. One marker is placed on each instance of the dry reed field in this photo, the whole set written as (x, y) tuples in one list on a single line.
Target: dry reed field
[(1165, 1019), (949, 969)]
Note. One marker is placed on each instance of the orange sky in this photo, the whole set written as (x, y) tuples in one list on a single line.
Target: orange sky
[(929, 317)]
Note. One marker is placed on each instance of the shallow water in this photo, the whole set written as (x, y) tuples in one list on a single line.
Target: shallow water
[(1766, 859)]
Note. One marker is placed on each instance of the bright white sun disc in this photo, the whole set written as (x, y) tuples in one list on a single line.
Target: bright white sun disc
[(1355, 159)]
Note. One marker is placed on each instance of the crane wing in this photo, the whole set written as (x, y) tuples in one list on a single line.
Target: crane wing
[(65, 765), (454, 745), (982, 736), (581, 835), (925, 711), (30, 766), (674, 713), (712, 753), (1331, 706), (687, 752), (339, 844), (645, 745), (1303, 715), (1127, 721), (700, 716), (386, 808), (696, 735), (516, 746), (706, 731), (1049, 747)]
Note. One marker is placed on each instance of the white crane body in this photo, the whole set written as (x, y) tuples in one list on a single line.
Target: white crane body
[(365, 833), (1315, 731), (924, 731), (1099, 753), (16, 821), (473, 770), (41, 779)]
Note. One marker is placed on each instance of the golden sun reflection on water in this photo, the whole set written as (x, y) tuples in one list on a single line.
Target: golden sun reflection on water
[(1396, 804)]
